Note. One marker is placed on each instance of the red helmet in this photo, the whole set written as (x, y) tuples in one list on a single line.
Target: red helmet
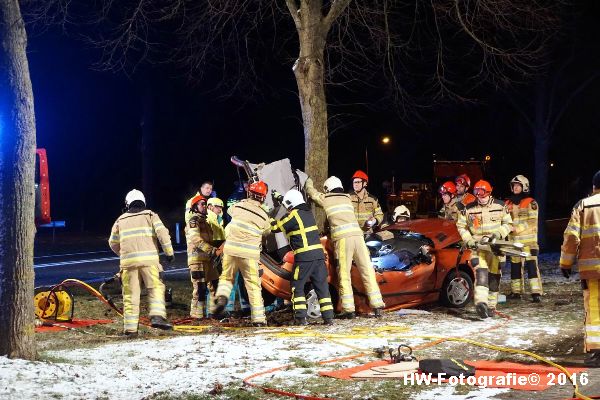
[(360, 175), (482, 188), (448, 188), (197, 199), (463, 180), (258, 190)]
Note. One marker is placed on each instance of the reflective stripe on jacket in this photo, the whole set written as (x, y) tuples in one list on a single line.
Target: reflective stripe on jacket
[(476, 221), (365, 208), (525, 222), (300, 228), (340, 213), (198, 235), (243, 235), (582, 238), (135, 236)]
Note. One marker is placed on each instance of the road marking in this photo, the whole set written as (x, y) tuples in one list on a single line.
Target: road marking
[(63, 263), (73, 254)]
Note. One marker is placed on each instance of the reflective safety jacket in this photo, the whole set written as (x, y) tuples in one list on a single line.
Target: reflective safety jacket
[(582, 238), (188, 206), (464, 200), (135, 236), (340, 213), (450, 210), (243, 235), (476, 221), (366, 207), (525, 221), (199, 236), (301, 230), (216, 224)]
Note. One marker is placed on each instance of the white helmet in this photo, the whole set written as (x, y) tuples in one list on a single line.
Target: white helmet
[(521, 180), (333, 182), (292, 199), (401, 211), (134, 195)]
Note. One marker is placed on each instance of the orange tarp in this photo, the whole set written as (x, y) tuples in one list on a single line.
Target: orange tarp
[(75, 323)]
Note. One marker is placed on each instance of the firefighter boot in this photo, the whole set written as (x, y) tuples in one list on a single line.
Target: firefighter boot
[(301, 321), (536, 298), (159, 322), (483, 310), (346, 315), (327, 321), (129, 334), (593, 360), (514, 296), (378, 312), (220, 304), (259, 324)]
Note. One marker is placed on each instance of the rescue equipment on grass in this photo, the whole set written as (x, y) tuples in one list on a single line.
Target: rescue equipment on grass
[(56, 304)]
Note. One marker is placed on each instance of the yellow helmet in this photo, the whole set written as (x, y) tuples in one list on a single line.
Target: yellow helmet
[(215, 201)]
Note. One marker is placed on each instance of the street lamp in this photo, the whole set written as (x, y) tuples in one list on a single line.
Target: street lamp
[(385, 140)]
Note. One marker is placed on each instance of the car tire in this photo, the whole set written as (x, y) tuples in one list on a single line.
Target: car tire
[(457, 290)]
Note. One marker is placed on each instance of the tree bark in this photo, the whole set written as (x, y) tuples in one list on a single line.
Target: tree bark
[(541, 135), (17, 198), (310, 76)]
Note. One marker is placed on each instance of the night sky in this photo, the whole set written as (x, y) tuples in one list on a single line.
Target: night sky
[(89, 121)]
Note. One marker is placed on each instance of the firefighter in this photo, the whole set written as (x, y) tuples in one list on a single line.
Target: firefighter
[(134, 238), (206, 190), (366, 206), (243, 239), (484, 219), (524, 212), (580, 245), (401, 214), (349, 244), (199, 236), (463, 197), (215, 217), (449, 210), (301, 230)]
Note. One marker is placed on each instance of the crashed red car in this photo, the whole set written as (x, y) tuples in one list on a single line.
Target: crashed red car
[(415, 263)]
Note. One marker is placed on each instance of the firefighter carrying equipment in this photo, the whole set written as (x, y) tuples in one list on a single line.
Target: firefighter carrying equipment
[(333, 182), (292, 199), (349, 244), (134, 195), (522, 180), (401, 211), (361, 175), (474, 223), (56, 304), (580, 245), (243, 240), (302, 232)]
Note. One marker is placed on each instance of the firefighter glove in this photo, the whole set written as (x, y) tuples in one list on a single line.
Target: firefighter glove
[(566, 272), (277, 197), (471, 244), (170, 258)]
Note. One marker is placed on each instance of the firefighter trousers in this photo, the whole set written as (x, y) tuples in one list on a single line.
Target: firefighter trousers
[(199, 288), (591, 304), (131, 279), (317, 273), (346, 250), (488, 271), (249, 271), (517, 276)]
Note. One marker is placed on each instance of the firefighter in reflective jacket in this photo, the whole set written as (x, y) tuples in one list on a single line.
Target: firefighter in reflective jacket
[(485, 218), (199, 236), (243, 239), (463, 197), (449, 210), (580, 245), (349, 244), (301, 230), (366, 206), (215, 217), (134, 238), (524, 212)]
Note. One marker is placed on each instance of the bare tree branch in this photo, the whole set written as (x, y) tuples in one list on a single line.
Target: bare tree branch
[(337, 7)]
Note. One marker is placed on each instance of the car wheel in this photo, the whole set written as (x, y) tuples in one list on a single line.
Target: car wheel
[(457, 289)]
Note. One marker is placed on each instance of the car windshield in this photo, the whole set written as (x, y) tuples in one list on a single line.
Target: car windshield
[(396, 251)]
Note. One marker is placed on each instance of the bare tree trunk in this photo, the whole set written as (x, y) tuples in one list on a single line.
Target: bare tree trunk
[(541, 137), (17, 164), (309, 71)]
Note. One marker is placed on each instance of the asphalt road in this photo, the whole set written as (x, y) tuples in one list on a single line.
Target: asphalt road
[(93, 266)]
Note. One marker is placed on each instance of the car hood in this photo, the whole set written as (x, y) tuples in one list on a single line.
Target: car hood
[(443, 232)]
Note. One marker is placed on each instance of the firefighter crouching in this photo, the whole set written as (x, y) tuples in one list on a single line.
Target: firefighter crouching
[(243, 239), (349, 244), (524, 212), (134, 238), (486, 217), (199, 236), (301, 230), (581, 246), (450, 209), (366, 206)]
